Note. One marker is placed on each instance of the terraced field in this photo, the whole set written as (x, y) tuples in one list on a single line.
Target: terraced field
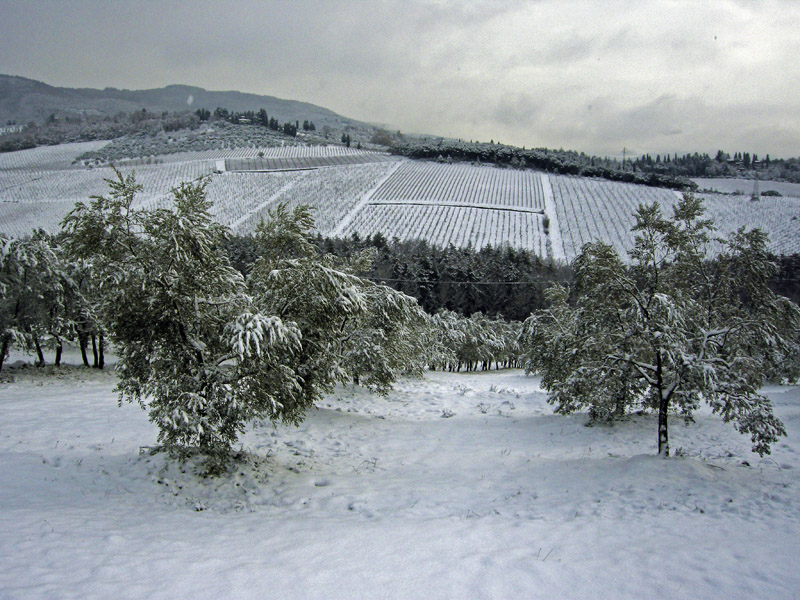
[(47, 157), (597, 209), (293, 163)]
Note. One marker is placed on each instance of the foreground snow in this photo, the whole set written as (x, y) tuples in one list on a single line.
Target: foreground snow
[(456, 486)]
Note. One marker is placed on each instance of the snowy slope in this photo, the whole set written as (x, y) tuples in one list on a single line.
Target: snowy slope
[(388, 498)]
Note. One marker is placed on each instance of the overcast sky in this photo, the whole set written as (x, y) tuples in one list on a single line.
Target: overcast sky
[(595, 76)]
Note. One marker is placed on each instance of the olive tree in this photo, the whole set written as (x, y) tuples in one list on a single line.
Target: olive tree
[(203, 349), (670, 329)]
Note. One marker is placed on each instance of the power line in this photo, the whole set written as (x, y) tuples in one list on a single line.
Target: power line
[(549, 282), (434, 282)]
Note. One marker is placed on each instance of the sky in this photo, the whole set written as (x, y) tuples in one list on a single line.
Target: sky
[(647, 76)]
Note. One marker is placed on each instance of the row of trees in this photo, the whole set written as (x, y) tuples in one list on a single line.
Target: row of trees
[(206, 349), (739, 164), (670, 171), (474, 343), (46, 301), (250, 117), (554, 161)]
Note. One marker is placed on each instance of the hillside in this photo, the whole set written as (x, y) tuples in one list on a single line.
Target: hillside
[(356, 192), (23, 100)]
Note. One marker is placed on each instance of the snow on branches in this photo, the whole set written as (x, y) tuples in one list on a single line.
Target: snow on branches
[(206, 351), (671, 330)]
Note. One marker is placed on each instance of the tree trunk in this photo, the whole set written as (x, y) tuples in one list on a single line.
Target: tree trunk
[(94, 350), (83, 342), (40, 362), (102, 357), (3, 350), (663, 432), (59, 352), (663, 408)]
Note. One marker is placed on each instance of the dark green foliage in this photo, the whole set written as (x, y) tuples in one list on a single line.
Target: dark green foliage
[(493, 281), (565, 162), (672, 172)]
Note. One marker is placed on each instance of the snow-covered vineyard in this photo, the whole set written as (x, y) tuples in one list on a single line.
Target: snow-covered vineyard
[(360, 192)]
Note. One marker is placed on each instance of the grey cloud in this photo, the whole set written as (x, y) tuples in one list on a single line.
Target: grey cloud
[(576, 47), (519, 110), (523, 72)]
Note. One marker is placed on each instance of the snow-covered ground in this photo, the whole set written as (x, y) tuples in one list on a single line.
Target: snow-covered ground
[(455, 486)]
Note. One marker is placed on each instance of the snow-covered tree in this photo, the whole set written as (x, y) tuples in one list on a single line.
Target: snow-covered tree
[(175, 309), (205, 351), (447, 337), (11, 302), (670, 329), (82, 305), (472, 342), (33, 286), (353, 329)]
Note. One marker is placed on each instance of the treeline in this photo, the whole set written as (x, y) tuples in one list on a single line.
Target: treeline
[(505, 282), (259, 117), (739, 164), (86, 128), (670, 171), (554, 161)]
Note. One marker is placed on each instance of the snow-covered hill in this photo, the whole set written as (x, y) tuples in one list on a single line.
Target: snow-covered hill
[(360, 192)]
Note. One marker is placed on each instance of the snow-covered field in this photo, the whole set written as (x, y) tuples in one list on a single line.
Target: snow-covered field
[(360, 192), (455, 486), (744, 187)]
